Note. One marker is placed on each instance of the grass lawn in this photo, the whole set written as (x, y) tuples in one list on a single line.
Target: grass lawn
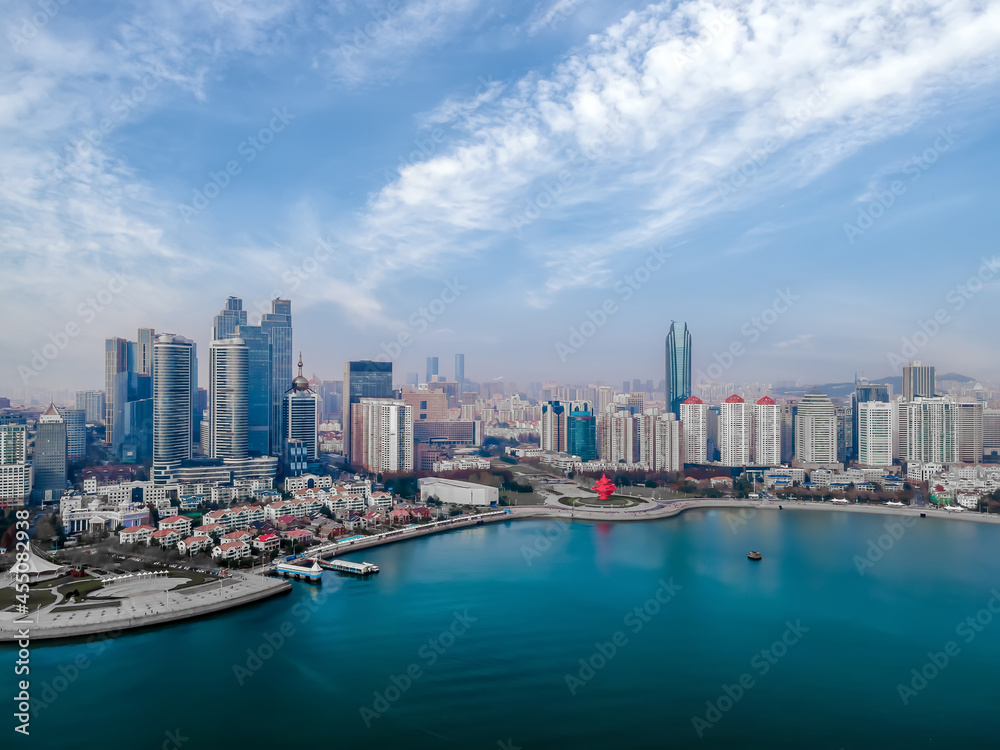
[(92, 605), (37, 597), (82, 585)]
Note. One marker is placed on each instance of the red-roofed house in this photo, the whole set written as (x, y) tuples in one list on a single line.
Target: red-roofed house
[(399, 516), (242, 535), (302, 536), (210, 529), (166, 538), (136, 534), (194, 544), (231, 551), (180, 524), (267, 542)]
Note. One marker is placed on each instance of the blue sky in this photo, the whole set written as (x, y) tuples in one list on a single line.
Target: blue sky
[(556, 163)]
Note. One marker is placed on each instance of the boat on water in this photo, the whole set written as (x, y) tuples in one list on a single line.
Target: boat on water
[(755, 556)]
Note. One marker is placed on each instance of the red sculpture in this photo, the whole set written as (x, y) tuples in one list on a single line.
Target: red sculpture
[(604, 487)]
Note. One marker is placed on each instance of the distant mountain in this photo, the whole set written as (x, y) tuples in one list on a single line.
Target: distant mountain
[(956, 377), (844, 390)]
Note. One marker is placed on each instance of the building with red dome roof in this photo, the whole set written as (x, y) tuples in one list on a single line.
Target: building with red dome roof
[(694, 426), (735, 431), (766, 432)]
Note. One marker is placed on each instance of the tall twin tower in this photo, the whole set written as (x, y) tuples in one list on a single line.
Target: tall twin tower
[(678, 356)]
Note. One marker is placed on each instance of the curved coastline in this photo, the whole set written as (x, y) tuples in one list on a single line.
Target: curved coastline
[(655, 511)]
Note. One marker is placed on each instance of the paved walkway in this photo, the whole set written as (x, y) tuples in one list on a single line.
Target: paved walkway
[(144, 609)]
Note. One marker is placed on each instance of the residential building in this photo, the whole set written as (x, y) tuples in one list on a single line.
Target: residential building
[(932, 430), (876, 427), (15, 472), (228, 395), (362, 379), (694, 421), (383, 433), (918, 380), (766, 432), (735, 431), (175, 380), (816, 430)]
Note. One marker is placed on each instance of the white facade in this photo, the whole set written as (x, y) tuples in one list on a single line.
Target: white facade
[(816, 430), (876, 430), (15, 472), (735, 431), (174, 385), (386, 435), (458, 493), (932, 430), (228, 398), (668, 453), (766, 433), (694, 418)]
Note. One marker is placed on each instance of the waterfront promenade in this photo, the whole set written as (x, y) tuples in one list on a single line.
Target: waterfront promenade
[(144, 609)]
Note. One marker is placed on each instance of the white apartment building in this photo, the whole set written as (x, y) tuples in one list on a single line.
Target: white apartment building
[(876, 432), (735, 431), (766, 432), (694, 421)]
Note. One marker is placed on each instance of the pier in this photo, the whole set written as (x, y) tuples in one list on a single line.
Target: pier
[(345, 566)]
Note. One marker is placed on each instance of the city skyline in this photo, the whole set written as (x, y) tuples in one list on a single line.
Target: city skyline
[(603, 192)]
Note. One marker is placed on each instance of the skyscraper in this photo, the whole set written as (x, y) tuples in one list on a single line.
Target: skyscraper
[(92, 402), (969, 418), (735, 431), (383, 429), (876, 425), (432, 369), (694, 421), (277, 325), (766, 432), (144, 351), (226, 322), (301, 413), (932, 430), (76, 433), (362, 379), (553, 427), (678, 367), (119, 357), (816, 430), (581, 431), (918, 380), (863, 393), (227, 399), (174, 383), (259, 373), (15, 473), (50, 456), (460, 372)]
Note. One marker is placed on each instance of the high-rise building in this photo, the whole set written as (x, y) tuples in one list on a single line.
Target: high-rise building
[(735, 431), (301, 413), (918, 380), (694, 418), (660, 445), (413, 379), (76, 433), (932, 430), (460, 371), (678, 359), (228, 391), (175, 372), (969, 418), (119, 358), (362, 379), (49, 458), (845, 432), (876, 425), (863, 393), (15, 473), (384, 435), (605, 397), (92, 403), (144, 351), (766, 432), (432, 369), (277, 325), (620, 438), (259, 374), (789, 409), (553, 426), (427, 406), (816, 430), (581, 431), (226, 322), (991, 434)]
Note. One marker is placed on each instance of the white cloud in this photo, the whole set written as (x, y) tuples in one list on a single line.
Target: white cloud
[(675, 101)]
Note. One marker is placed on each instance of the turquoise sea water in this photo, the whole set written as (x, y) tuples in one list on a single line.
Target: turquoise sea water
[(467, 639)]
